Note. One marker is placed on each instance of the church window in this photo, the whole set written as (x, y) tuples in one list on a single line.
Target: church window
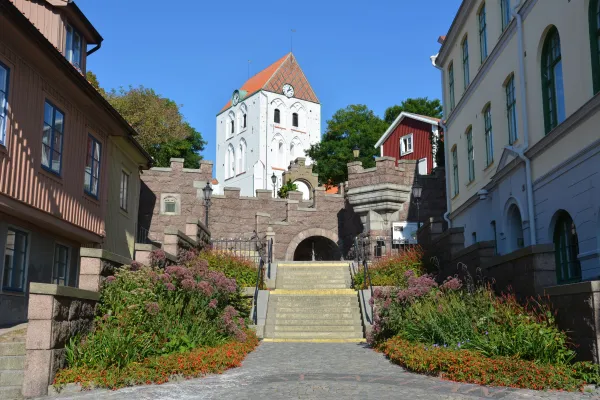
[(277, 117), (244, 123), (295, 119), (232, 126)]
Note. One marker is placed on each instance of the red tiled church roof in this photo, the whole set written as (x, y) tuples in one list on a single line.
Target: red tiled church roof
[(285, 70)]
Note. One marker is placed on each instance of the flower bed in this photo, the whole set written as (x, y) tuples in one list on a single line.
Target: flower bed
[(242, 270), (161, 369), (148, 313), (391, 271), (470, 334), (472, 367)]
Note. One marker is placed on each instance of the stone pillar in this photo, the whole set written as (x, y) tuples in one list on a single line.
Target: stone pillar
[(171, 239), (56, 313), (191, 227), (96, 265)]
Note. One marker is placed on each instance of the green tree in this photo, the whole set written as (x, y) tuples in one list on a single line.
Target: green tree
[(354, 125), (285, 189), (162, 130), (420, 105)]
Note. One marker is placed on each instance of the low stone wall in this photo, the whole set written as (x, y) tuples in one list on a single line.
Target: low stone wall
[(577, 307), (56, 314), (526, 271), (96, 265)]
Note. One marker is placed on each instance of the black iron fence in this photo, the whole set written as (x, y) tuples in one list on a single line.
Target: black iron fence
[(371, 248), (248, 249), (143, 235)]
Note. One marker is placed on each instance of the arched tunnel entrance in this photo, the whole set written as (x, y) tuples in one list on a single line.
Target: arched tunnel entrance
[(317, 248)]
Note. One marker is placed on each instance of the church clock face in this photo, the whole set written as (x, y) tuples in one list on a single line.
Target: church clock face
[(288, 90), (235, 99)]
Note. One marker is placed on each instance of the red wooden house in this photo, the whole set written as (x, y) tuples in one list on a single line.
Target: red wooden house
[(409, 138)]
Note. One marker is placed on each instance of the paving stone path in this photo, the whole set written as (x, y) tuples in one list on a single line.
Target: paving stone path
[(318, 371)]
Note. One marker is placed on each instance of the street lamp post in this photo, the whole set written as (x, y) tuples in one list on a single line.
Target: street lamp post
[(207, 190), (356, 151), (416, 193), (274, 180)]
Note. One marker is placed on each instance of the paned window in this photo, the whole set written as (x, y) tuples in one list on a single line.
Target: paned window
[(170, 205), (124, 190), (465, 55), (52, 138), (552, 81), (594, 17), (566, 247), (505, 10), (15, 260), (295, 119), (511, 110), (244, 121), (406, 144), (91, 180), (470, 155), (483, 34), (451, 85), (277, 116), (4, 75), (60, 273), (74, 47), (489, 140), (454, 172)]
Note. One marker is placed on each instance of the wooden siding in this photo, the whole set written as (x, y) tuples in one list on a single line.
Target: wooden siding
[(120, 225), (21, 175), (46, 18), (421, 142)]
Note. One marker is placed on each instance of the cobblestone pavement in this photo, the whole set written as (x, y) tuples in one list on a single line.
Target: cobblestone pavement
[(318, 371)]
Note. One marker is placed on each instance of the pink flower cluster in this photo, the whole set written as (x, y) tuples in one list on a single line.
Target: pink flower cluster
[(158, 258), (185, 256), (152, 308), (221, 282), (451, 284), (417, 287), (232, 323)]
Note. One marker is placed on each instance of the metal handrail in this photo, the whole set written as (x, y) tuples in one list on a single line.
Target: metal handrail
[(256, 289), (269, 257), (365, 264), (368, 276)]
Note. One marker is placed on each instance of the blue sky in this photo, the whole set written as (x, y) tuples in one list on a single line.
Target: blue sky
[(196, 52)]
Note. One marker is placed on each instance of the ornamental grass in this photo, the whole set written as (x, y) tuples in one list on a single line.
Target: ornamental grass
[(391, 270)]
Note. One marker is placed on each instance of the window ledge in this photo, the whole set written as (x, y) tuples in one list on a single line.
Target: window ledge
[(241, 173), (230, 178), (124, 213), (243, 130), (3, 149), (279, 127), (470, 182), (7, 292), (407, 153), (299, 131), (489, 166), (455, 196), (90, 196), (229, 138), (51, 174)]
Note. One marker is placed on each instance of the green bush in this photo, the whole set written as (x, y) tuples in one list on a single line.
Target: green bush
[(146, 311), (391, 271), (449, 316), (243, 271)]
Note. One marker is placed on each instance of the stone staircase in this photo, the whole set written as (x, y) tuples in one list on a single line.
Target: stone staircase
[(12, 364), (313, 302)]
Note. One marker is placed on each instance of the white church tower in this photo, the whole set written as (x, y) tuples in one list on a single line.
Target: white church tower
[(269, 122)]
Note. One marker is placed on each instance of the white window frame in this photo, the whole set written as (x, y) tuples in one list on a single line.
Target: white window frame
[(66, 266), (4, 288), (4, 104), (70, 46), (404, 150), (124, 191), (424, 161)]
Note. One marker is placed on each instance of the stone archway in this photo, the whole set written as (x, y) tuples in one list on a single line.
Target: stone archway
[(312, 232)]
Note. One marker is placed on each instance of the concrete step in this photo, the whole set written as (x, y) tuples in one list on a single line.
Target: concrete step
[(324, 323), (10, 393), (12, 363), (308, 316), (313, 328), (308, 286), (313, 310), (316, 279), (11, 378), (12, 349), (319, 335), (316, 301)]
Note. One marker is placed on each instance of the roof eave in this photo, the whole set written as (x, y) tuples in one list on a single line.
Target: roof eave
[(79, 79), (397, 122)]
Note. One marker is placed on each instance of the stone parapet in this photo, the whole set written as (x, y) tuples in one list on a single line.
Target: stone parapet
[(56, 314), (577, 306), (96, 265)]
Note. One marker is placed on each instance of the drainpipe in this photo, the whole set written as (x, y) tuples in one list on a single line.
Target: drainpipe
[(266, 139), (95, 49), (446, 158), (521, 151)]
